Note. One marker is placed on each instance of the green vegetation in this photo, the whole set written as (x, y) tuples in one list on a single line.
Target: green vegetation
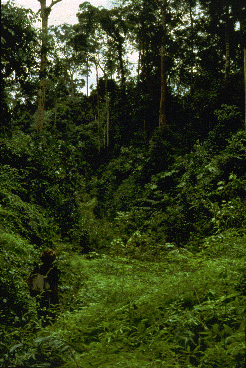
[(181, 310), (160, 284), (148, 222)]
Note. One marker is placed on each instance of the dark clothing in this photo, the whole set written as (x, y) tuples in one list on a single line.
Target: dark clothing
[(53, 279), (48, 300)]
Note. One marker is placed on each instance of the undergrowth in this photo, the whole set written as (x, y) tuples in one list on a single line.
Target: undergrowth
[(158, 281), (186, 309)]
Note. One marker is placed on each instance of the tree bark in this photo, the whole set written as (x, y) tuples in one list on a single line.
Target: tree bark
[(192, 47), (42, 72), (121, 65), (227, 47), (45, 12), (98, 112), (87, 75), (244, 51), (107, 109), (139, 66), (162, 116)]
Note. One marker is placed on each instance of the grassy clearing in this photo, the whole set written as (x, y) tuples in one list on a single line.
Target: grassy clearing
[(185, 310)]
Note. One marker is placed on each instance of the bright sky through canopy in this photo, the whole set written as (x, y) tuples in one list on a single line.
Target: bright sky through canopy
[(65, 12), (62, 12)]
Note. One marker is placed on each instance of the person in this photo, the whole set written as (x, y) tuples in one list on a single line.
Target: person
[(48, 299)]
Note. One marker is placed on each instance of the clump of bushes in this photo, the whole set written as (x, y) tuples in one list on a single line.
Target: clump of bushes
[(202, 193), (16, 257)]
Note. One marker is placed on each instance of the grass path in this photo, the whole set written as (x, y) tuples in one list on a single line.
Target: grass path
[(184, 311)]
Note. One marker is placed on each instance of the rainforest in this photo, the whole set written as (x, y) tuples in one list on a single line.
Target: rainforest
[(137, 182)]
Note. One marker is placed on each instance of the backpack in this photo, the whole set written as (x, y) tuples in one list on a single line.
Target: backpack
[(38, 283)]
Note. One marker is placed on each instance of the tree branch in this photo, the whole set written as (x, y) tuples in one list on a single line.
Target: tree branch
[(54, 2)]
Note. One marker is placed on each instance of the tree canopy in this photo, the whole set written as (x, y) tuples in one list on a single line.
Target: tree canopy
[(138, 182)]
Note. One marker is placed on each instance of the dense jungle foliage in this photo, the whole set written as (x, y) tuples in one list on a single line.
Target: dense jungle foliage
[(148, 221)]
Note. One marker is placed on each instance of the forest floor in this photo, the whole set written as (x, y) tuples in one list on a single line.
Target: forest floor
[(185, 309)]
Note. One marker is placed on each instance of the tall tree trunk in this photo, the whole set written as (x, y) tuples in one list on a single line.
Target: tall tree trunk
[(45, 12), (162, 116), (227, 47), (98, 112), (244, 51), (107, 110), (139, 65), (192, 47), (42, 72), (87, 76), (122, 69)]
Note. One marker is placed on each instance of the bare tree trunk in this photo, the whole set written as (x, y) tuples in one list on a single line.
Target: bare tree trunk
[(56, 107), (244, 51), (162, 117), (45, 12), (122, 69), (192, 47), (227, 46), (139, 66), (87, 75), (107, 110), (42, 73), (98, 113)]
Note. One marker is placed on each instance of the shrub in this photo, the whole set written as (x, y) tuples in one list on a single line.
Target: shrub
[(16, 256), (229, 122), (28, 220)]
